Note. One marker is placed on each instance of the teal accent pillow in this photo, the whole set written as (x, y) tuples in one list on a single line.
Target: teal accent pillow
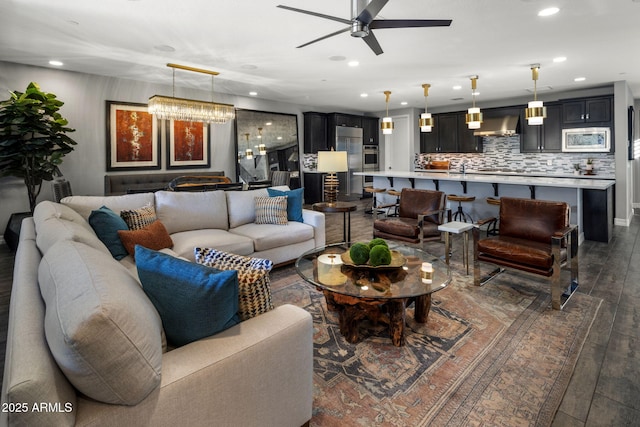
[(194, 301), (106, 224), (294, 202)]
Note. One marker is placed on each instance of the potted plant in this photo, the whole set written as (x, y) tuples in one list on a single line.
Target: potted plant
[(33, 138), (576, 168), (589, 166)]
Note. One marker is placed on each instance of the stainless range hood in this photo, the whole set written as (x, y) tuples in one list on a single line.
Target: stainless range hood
[(498, 126)]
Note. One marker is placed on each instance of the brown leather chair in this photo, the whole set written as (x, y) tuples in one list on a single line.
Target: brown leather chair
[(419, 214), (535, 237)]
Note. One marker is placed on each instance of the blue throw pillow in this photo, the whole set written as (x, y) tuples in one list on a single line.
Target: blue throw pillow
[(294, 202), (194, 301), (106, 224)]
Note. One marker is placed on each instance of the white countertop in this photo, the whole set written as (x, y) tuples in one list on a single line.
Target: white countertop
[(500, 178)]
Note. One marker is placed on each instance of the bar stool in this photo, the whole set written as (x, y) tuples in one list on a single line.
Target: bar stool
[(492, 229), (460, 215), (396, 193), (374, 192)]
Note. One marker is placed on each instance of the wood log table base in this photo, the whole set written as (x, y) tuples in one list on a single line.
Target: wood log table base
[(351, 310)]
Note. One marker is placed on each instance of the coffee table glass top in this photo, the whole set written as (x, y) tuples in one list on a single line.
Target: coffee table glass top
[(323, 267)]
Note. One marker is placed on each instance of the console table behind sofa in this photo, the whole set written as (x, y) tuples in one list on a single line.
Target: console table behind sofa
[(144, 182)]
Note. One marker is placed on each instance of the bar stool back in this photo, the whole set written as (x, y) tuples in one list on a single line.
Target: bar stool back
[(460, 215)]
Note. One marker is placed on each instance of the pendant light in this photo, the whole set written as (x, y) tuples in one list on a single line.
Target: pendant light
[(473, 116), (426, 121), (387, 123), (535, 111)]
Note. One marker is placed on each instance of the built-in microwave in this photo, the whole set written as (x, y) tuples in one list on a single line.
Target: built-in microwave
[(370, 157)]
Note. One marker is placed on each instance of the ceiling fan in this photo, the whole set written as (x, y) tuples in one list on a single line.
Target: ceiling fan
[(362, 22)]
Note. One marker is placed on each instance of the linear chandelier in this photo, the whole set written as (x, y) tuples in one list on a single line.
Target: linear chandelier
[(191, 110)]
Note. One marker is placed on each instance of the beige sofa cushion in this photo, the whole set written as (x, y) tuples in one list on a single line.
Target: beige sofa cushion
[(85, 204), (183, 211), (268, 236), (242, 207), (55, 222), (185, 241), (101, 328)]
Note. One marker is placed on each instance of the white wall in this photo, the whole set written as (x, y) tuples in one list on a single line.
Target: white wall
[(84, 96)]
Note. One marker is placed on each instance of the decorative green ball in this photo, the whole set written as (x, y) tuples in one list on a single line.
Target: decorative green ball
[(359, 253), (377, 241), (379, 255)]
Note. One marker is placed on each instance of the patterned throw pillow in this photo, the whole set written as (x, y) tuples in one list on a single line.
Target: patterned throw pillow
[(138, 219), (253, 279), (271, 210), (155, 237)]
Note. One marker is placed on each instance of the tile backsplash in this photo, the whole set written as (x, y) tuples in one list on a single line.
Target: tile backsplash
[(504, 153)]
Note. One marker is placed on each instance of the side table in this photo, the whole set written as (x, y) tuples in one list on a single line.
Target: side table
[(456, 227), (336, 207)]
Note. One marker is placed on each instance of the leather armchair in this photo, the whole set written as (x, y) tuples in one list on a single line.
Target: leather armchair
[(419, 214), (535, 237)]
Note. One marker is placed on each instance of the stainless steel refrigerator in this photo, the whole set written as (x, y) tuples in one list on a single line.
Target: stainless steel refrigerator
[(350, 140)]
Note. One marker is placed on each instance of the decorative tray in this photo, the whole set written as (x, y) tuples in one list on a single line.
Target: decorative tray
[(397, 260)]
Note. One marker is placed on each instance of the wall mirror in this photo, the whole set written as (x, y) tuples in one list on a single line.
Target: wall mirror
[(265, 142)]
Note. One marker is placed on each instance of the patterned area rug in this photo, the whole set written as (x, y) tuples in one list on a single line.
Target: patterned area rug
[(495, 356)]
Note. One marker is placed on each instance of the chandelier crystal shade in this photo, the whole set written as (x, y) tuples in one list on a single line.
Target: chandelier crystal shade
[(426, 121), (172, 108), (387, 123), (535, 112), (473, 116)]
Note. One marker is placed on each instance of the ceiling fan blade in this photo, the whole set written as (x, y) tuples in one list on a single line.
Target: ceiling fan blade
[(344, 30), (371, 11), (409, 23), (320, 15), (372, 41)]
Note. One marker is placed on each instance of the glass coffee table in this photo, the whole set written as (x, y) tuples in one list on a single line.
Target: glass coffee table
[(380, 294)]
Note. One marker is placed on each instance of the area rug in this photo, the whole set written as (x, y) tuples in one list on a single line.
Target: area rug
[(491, 356)]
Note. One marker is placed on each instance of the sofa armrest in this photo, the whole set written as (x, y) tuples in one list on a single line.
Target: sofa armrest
[(316, 220), (257, 373)]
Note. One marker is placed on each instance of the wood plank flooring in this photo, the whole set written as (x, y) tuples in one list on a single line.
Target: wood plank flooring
[(605, 387)]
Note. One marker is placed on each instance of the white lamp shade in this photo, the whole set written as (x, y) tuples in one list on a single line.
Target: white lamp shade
[(474, 112), (387, 126), (535, 113), (332, 161), (425, 117)]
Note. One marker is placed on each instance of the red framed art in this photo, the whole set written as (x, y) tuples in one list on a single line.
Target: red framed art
[(133, 140), (188, 144)]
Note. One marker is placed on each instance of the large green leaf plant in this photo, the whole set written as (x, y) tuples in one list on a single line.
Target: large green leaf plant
[(33, 138)]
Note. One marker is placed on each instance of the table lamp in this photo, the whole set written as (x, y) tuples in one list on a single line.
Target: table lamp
[(332, 162)]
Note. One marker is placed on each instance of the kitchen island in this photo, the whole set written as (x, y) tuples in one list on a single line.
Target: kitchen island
[(591, 199)]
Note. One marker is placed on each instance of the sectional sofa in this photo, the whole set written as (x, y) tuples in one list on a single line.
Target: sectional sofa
[(118, 369)]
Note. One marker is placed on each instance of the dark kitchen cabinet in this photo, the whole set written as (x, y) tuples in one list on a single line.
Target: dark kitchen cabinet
[(546, 137), (348, 120), (447, 133), (315, 132), (450, 135), (592, 111), (312, 187), (370, 133), (429, 140), (467, 142)]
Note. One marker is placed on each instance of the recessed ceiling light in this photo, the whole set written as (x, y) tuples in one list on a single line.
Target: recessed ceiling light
[(457, 87), (579, 79), (253, 93), (56, 63), (353, 63), (364, 95), (404, 103), (268, 124), (560, 59), (548, 11)]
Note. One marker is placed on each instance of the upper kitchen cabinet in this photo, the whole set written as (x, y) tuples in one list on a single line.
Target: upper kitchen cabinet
[(315, 132), (467, 142), (429, 140), (370, 133), (450, 135), (546, 137), (348, 120), (587, 111)]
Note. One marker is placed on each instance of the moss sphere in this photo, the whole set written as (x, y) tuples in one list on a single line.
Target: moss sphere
[(359, 253), (379, 255), (377, 241)]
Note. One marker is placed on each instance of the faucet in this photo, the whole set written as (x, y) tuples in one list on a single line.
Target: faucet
[(463, 167)]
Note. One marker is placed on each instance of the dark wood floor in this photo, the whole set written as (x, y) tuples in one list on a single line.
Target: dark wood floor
[(605, 387)]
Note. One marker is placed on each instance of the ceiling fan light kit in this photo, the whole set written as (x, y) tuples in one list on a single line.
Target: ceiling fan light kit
[(172, 108), (387, 123), (426, 121), (473, 116), (535, 112), (362, 22)]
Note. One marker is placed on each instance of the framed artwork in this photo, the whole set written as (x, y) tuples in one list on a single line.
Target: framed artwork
[(133, 140), (187, 144), (586, 140)]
